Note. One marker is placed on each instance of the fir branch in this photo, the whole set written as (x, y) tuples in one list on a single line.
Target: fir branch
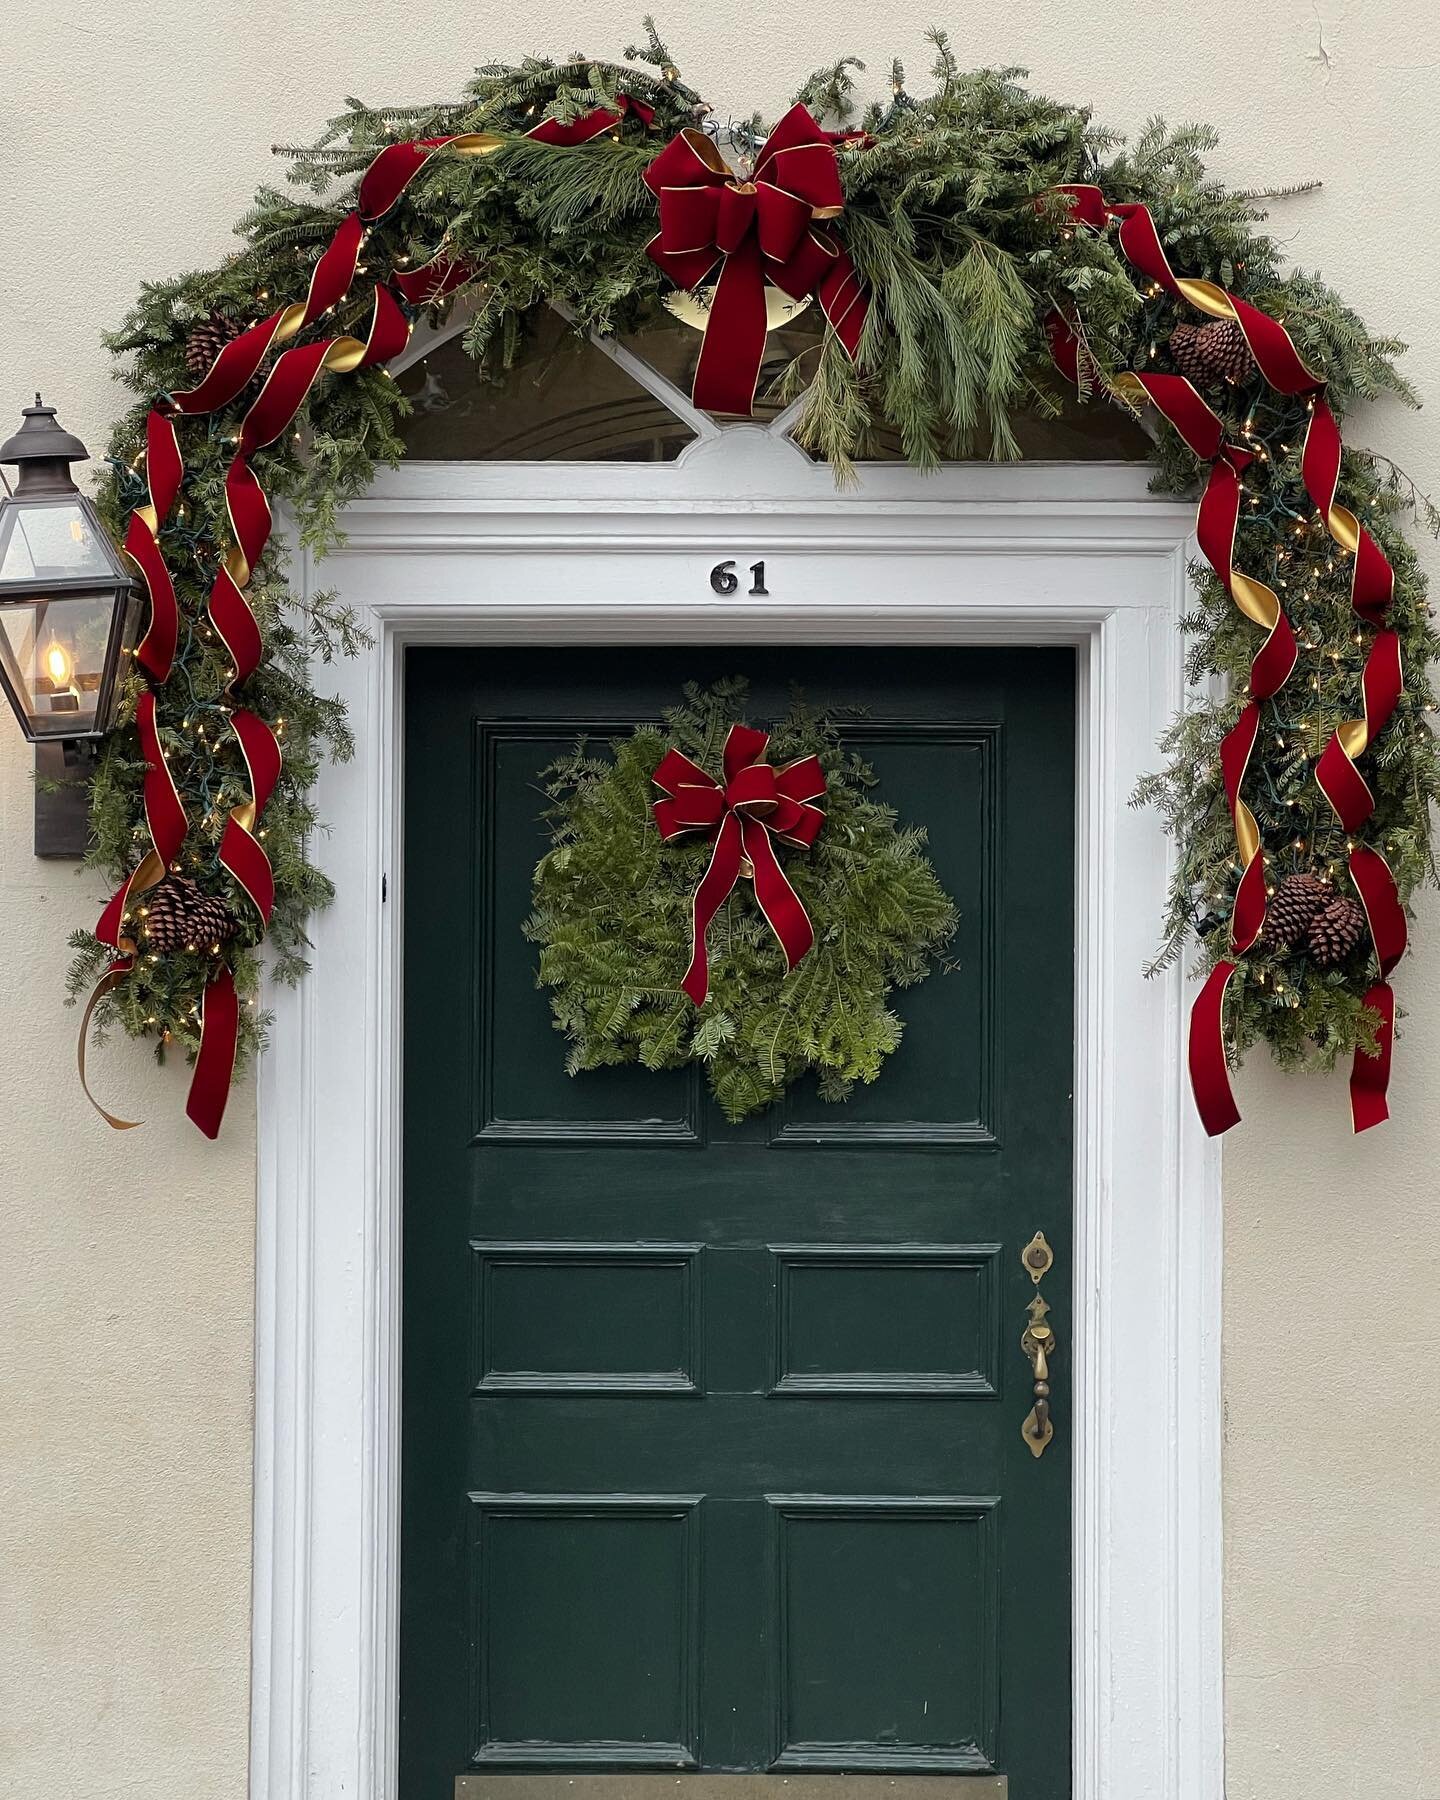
[(1286, 192), (596, 185), (829, 93)]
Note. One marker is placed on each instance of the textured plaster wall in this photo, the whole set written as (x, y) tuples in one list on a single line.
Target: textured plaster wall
[(132, 135)]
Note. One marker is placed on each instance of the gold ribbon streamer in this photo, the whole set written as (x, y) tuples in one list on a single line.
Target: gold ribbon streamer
[(107, 982)]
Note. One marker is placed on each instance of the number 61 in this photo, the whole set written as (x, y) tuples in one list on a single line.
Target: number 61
[(724, 580)]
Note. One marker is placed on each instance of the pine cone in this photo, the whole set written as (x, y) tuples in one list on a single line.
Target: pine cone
[(177, 915), (162, 916), (1211, 354), (1296, 902), (206, 340), (1335, 932), (211, 923)]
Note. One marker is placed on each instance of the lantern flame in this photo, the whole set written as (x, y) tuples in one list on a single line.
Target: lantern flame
[(58, 664)]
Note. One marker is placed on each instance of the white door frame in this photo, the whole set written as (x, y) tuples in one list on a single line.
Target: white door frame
[(601, 553)]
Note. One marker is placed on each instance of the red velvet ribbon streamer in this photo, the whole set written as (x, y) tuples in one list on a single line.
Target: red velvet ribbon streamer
[(757, 230), (592, 124), (166, 823), (1370, 1073), (215, 1060), (285, 390), (756, 805), (164, 473), (1382, 681), (1372, 583), (1270, 669), (397, 165)]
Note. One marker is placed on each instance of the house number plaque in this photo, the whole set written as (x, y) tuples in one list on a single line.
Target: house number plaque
[(724, 580)]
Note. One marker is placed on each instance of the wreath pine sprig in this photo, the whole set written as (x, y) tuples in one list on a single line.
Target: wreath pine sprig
[(612, 913)]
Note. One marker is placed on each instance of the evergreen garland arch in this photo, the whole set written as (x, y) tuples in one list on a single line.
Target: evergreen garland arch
[(996, 283)]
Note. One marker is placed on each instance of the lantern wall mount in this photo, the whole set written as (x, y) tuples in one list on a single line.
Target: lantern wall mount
[(69, 614)]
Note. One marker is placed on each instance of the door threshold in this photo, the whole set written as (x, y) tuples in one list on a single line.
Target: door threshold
[(564, 1786)]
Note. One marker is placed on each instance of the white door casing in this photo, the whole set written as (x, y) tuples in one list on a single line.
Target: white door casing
[(479, 553)]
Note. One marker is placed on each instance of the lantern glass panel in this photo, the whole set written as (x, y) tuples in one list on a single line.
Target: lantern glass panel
[(53, 658), (51, 541)]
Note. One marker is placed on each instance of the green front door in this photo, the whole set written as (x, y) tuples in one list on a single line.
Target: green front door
[(713, 1473)]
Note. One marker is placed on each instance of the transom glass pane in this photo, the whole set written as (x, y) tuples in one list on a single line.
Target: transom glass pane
[(672, 349), (563, 400), (1095, 433)]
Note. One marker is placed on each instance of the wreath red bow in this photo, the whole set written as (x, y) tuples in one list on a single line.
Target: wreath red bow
[(756, 805)]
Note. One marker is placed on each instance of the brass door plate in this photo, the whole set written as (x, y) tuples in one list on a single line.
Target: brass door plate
[(1037, 1432), (569, 1785), (1038, 1258)]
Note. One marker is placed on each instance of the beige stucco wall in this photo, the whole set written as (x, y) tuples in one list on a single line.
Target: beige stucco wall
[(132, 133)]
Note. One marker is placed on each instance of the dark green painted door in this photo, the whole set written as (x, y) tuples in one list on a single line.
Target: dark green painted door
[(712, 1434)]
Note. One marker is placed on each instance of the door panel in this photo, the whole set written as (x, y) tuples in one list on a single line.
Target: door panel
[(880, 1319), (588, 1318), (711, 1450), (551, 1577), (886, 1653)]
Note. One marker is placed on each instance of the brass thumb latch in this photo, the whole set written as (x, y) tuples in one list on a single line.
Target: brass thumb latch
[(1038, 1342)]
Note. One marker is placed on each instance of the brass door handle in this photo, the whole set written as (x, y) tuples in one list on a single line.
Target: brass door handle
[(1037, 1341), (1039, 1344)]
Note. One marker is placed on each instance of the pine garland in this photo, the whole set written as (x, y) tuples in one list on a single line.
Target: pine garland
[(951, 220), (613, 911)]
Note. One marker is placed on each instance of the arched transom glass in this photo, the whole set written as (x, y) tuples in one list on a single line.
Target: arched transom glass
[(567, 396)]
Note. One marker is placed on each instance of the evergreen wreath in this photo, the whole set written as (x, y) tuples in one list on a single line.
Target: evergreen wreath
[(966, 249), (612, 917)]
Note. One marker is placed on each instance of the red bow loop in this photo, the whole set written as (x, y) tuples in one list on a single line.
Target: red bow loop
[(799, 156), (752, 791), (757, 804), (795, 820), (759, 230), (736, 215), (782, 226), (743, 745)]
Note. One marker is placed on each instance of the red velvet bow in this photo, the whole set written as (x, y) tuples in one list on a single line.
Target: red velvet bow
[(757, 804), (758, 229)]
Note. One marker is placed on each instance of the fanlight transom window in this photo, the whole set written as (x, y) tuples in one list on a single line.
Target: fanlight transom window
[(569, 397)]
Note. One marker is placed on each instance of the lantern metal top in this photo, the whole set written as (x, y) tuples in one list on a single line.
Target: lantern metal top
[(43, 451)]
